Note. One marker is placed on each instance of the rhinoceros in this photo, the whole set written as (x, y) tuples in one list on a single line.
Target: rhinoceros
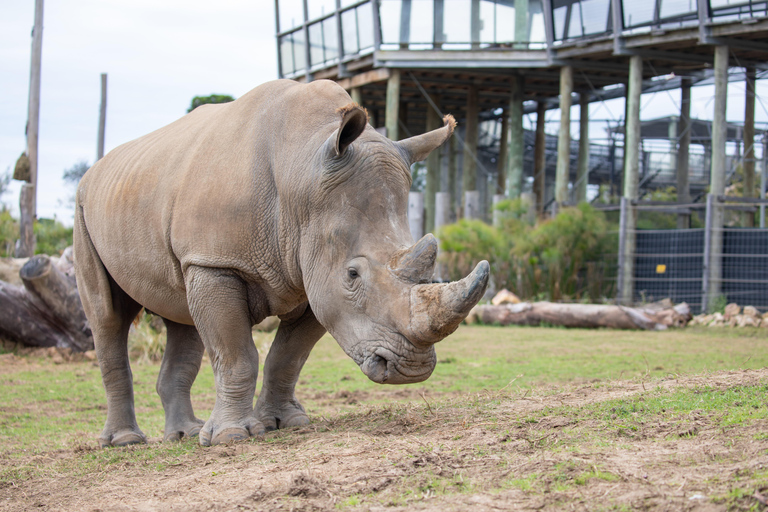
[(284, 202)]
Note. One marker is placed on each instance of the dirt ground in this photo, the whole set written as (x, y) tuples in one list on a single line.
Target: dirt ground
[(486, 452)]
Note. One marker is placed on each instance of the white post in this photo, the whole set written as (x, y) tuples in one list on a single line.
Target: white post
[(416, 214), (472, 204), (497, 215)]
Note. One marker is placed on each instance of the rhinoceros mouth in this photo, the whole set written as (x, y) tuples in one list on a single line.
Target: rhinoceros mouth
[(385, 367)]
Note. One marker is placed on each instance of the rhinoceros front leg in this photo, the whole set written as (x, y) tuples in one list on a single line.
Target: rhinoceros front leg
[(181, 363), (277, 406), (219, 305)]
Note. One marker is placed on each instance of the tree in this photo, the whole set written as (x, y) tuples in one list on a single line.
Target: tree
[(213, 98), (75, 173)]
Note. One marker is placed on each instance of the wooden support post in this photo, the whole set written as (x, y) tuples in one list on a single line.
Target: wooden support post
[(356, 93), (683, 152), (763, 177), (405, 23), (28, 199), (433, 166), (503, 161), (453, 171), (472, 205), (749, 143), (717, 173), (392, 114), (540, 158), (517, 139), (442, 218), (582, 172), (475, 24), (631, 176), (521, 24), (416, 214), (102, 117), (564, 136), (470, 142), (496, 215)]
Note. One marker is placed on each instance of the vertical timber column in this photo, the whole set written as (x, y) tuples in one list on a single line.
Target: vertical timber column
[(717, 173), (405, 23), (471, 195), (517, 142), (442, 218), (521, 24), (631, 176), (356, 94), (564, 136), (502, 163), (749, 143), (28, 197), (416, 214), (393, 105), (453, 171), (102, 117), (683, 152), (540, 158), (433, 166), (582, 172), (475, 23)]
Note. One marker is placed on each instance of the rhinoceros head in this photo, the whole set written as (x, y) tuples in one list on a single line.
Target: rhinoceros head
[(367, 282)]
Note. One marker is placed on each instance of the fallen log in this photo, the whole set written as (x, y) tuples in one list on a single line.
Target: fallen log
[(580, 315), (46, 310)]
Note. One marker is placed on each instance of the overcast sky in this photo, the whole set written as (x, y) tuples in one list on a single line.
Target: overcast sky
[(158, 55)]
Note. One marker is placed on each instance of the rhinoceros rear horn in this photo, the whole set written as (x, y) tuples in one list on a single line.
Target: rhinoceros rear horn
[(416, 264), (354, 118), (417, 148)]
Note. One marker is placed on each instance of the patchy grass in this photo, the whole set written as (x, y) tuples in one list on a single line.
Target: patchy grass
[(512, 418)]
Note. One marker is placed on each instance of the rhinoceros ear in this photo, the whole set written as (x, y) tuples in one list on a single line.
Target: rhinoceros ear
[(419, 147), (354, 119)]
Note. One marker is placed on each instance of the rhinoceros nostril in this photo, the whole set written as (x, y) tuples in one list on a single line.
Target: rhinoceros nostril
[(375, 367)]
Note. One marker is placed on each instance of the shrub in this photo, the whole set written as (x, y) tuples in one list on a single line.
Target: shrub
[(9, 232), (52, 236)]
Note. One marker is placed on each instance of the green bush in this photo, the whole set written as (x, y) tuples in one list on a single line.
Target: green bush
[(52, 236), (555, 259), (9, 232)]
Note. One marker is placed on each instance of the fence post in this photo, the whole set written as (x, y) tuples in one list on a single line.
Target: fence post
[(416, 214), (620, 287), (707, 253)]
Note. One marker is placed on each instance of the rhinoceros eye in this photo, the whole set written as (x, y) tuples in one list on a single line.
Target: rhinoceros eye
[(353, 273)]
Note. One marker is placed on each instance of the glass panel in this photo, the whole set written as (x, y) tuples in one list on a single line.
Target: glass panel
[(487, 25), (389, 11), (319, 8), (291, 14), (505, 22), (349, 32), (299, 51), (286, 54), (365, 26), (537, 32), (316, 44), (638, 13), (575, 28), (345, 3), (422, 21), (595, 16), (331, 37), (456, 21), (670, 8), (558, 15)]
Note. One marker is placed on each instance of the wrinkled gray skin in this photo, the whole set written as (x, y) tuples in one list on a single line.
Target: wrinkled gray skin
[(284, 202)]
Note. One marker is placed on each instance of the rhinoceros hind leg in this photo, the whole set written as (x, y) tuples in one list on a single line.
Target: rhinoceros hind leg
[(181, 363), (220, 307), (110, 312), (277, 406)]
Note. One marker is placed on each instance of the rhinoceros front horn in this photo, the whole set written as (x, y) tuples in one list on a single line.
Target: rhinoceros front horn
[(438, 309), (416, 264)]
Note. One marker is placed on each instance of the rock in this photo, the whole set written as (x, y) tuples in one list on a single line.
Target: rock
[(505, 297), (90, 355), (748, 321), (732, 310), (716, 320), (752, 312)]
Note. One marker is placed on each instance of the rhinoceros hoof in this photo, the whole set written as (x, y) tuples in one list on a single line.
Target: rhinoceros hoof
[(290, 415), (188, 430), (231, 434), (122, 438)]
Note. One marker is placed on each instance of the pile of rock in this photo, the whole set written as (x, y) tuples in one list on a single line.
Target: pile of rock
[(733, 317)]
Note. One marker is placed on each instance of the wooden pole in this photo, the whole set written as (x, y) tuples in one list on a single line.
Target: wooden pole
[(470, 140), (540, 158), (102, 117), (564, 136), (393, 105), (416, 214), (683, 152), (453, 170), (717, 173), (749, 143), (521, 24), (503, 162), (582, 172), (517, 139), (433, 166), (28, 200)]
